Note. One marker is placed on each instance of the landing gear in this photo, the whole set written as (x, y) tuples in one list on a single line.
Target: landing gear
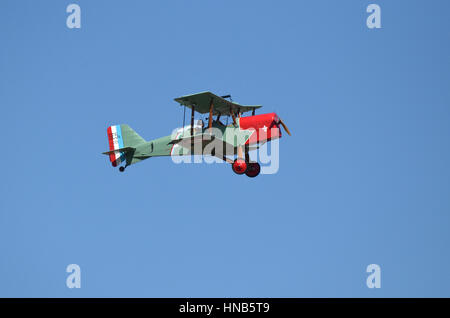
[(253, 169), (121, 169), (239, 166)]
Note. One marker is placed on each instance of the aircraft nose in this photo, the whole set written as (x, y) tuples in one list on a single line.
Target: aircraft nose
[(263, 125)]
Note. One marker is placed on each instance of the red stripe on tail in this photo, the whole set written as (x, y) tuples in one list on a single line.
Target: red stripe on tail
[(112, 157)]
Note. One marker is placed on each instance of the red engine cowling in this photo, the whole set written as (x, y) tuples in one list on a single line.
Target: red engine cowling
[(266, 126)]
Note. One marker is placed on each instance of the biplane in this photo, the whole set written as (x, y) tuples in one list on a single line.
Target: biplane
[(215, 138)]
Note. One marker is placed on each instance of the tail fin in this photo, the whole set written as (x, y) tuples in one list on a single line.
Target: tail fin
[(119, 137)]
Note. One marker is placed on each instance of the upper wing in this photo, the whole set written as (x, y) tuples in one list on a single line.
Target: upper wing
[(202, 101)]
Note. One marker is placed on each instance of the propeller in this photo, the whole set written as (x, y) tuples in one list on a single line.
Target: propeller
[(284, 126)]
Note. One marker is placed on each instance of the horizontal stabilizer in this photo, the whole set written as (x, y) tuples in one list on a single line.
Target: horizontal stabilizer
[(125, 149)]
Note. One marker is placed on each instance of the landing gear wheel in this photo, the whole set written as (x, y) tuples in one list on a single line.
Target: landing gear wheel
[(253, 169), (121, 169), (239, 166)]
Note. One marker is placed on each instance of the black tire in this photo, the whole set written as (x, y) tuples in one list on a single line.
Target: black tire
[(253, 169), (121, 169)]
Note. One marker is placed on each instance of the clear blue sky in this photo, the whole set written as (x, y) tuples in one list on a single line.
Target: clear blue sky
[(364, 179)]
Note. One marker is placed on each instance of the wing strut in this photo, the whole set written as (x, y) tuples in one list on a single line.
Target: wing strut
[(233, 116), (211, 106), (192, 121)]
